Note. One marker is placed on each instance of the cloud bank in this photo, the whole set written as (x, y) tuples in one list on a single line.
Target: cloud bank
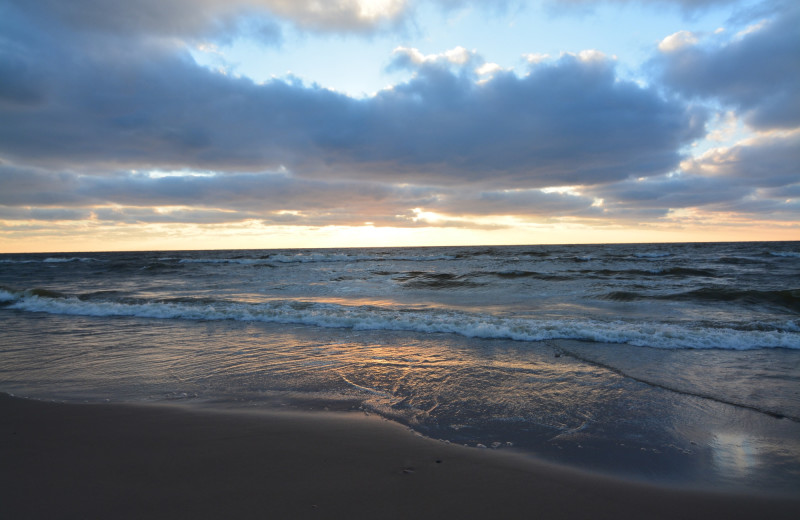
[(757, 72), (96, 98)]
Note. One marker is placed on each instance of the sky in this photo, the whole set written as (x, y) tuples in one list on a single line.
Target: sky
[(209, 124)]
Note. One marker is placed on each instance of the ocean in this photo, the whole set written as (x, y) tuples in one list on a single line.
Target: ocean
[(676, 363)]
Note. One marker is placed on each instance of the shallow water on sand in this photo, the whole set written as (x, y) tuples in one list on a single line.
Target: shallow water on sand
[(671, 416)]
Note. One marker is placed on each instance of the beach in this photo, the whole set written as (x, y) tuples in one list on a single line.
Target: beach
[(199, 382), (400, 259), (166, 461)]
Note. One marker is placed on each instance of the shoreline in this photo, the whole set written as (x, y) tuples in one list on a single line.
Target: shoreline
[(167, 461)]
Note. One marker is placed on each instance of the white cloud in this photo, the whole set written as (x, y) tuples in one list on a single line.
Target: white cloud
[(751, 29), (593, 55), (536, 57), (456, 56), (377, 9), (488, 68), (677, 41)]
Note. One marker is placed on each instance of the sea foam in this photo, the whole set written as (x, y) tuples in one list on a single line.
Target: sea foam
[(425, 320)]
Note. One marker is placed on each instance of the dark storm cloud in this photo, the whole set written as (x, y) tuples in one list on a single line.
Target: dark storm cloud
[(757, 72), (108, 106)]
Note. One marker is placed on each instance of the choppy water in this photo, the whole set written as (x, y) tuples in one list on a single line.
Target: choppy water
[(679, 362)]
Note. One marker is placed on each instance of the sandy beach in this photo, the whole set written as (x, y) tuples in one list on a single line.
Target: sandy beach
[(158, 461)]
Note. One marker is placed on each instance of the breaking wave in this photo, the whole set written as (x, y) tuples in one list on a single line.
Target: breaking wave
[(316, 257), (368, 317), (787, 298)]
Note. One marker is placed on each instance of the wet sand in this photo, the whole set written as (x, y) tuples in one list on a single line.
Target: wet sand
[(159, 461)]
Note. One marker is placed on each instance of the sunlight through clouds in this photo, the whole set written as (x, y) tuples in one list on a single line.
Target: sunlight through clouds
[(389, 114), (373, 9)]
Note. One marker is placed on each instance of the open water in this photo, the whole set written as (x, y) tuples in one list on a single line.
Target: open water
[(678, 363)]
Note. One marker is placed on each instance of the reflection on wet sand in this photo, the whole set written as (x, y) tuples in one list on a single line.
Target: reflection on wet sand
[(734, 454), (534, 396)]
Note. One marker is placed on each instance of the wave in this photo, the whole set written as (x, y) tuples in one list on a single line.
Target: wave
[(738, 260), (425, 280), (316, 257), (787, 298), (582, 258), (10, 295), (624, 296), (59, 260), (51, 260), (416, 258), (441, 280), (683, 271), (242, 261), (7, 295), (785, 254), (530, 274), (429, 280), (158, 267), (666, 272), (368, 317)]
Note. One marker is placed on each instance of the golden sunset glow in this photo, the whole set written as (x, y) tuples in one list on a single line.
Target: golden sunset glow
[(265, 123)]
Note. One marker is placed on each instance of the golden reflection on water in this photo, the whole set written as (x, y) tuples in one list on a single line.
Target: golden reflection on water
[(415, 378)]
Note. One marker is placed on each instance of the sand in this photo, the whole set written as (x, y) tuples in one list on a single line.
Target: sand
[(159, 461)]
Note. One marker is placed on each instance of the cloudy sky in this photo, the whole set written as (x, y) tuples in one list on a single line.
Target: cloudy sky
[(196, 124)]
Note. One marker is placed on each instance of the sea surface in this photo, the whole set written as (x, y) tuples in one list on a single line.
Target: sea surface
[(676, 363)]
